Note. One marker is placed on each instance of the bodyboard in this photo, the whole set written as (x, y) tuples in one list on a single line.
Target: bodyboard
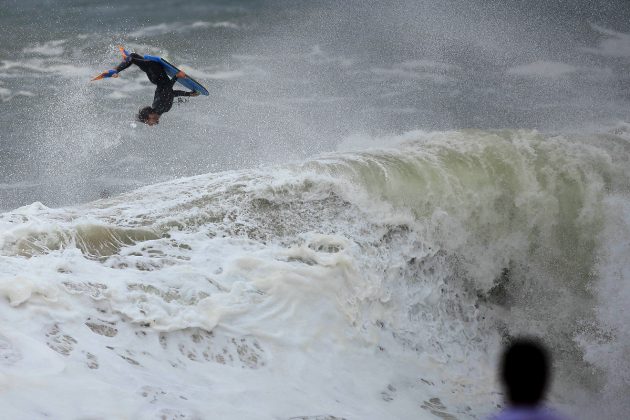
[(171, 70)]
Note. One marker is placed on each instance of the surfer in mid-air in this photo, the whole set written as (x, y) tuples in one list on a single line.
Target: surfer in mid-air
[(164, 92)]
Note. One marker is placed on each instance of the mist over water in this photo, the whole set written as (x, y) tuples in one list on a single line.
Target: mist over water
[(288, 80), (373, 198)]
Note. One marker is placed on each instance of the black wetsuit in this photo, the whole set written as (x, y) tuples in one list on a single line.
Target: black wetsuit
[(164, 93)]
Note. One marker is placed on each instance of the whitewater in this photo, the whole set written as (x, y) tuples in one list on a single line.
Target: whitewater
[(360, 284)]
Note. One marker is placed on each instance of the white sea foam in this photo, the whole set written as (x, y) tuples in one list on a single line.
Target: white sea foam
[(318, 56), (38, 65), (117, 94), (543, 69), (21, 184), (615, 44), (50, 48), (7, 94), (373, 284), (180, 27), (215, 74), (612, 312), (434, 71)]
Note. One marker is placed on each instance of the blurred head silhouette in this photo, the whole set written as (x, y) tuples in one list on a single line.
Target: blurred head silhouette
[(525, 369)]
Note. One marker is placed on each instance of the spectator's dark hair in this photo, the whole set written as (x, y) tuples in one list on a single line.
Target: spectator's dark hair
[(525, 371), (143, 114)]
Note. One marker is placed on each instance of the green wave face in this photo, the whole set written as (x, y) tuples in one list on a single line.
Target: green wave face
[(94, 241), (499, 192)]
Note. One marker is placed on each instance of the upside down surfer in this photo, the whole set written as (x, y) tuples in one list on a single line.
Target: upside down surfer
[(164, 92)]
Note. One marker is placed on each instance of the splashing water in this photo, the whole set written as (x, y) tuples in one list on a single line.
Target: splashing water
[(358, 285)]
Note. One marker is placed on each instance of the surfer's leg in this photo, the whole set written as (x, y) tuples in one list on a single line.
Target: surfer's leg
[(155, 72)]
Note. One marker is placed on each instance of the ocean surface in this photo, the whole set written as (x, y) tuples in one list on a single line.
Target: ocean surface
[(373, 199)]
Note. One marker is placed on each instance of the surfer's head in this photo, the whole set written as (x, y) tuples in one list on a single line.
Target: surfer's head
[(525, 372), (148, 116)]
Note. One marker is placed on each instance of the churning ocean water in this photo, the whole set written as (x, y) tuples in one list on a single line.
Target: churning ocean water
[(373, 199)]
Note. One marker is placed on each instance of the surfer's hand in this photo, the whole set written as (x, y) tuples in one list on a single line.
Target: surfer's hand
[(194, 93), (104, 75), (180, 75)]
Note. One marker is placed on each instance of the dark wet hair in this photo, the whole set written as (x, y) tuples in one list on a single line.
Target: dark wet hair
[(525, 371), (143, 114)]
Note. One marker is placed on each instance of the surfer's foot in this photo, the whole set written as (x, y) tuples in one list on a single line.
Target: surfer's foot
[(180, 74)]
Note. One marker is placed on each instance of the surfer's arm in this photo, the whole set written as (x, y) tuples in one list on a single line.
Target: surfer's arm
[(122, 66), (114, 72), (128, 60)]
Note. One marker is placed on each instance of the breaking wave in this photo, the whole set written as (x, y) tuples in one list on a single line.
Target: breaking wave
[(361, 284)]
